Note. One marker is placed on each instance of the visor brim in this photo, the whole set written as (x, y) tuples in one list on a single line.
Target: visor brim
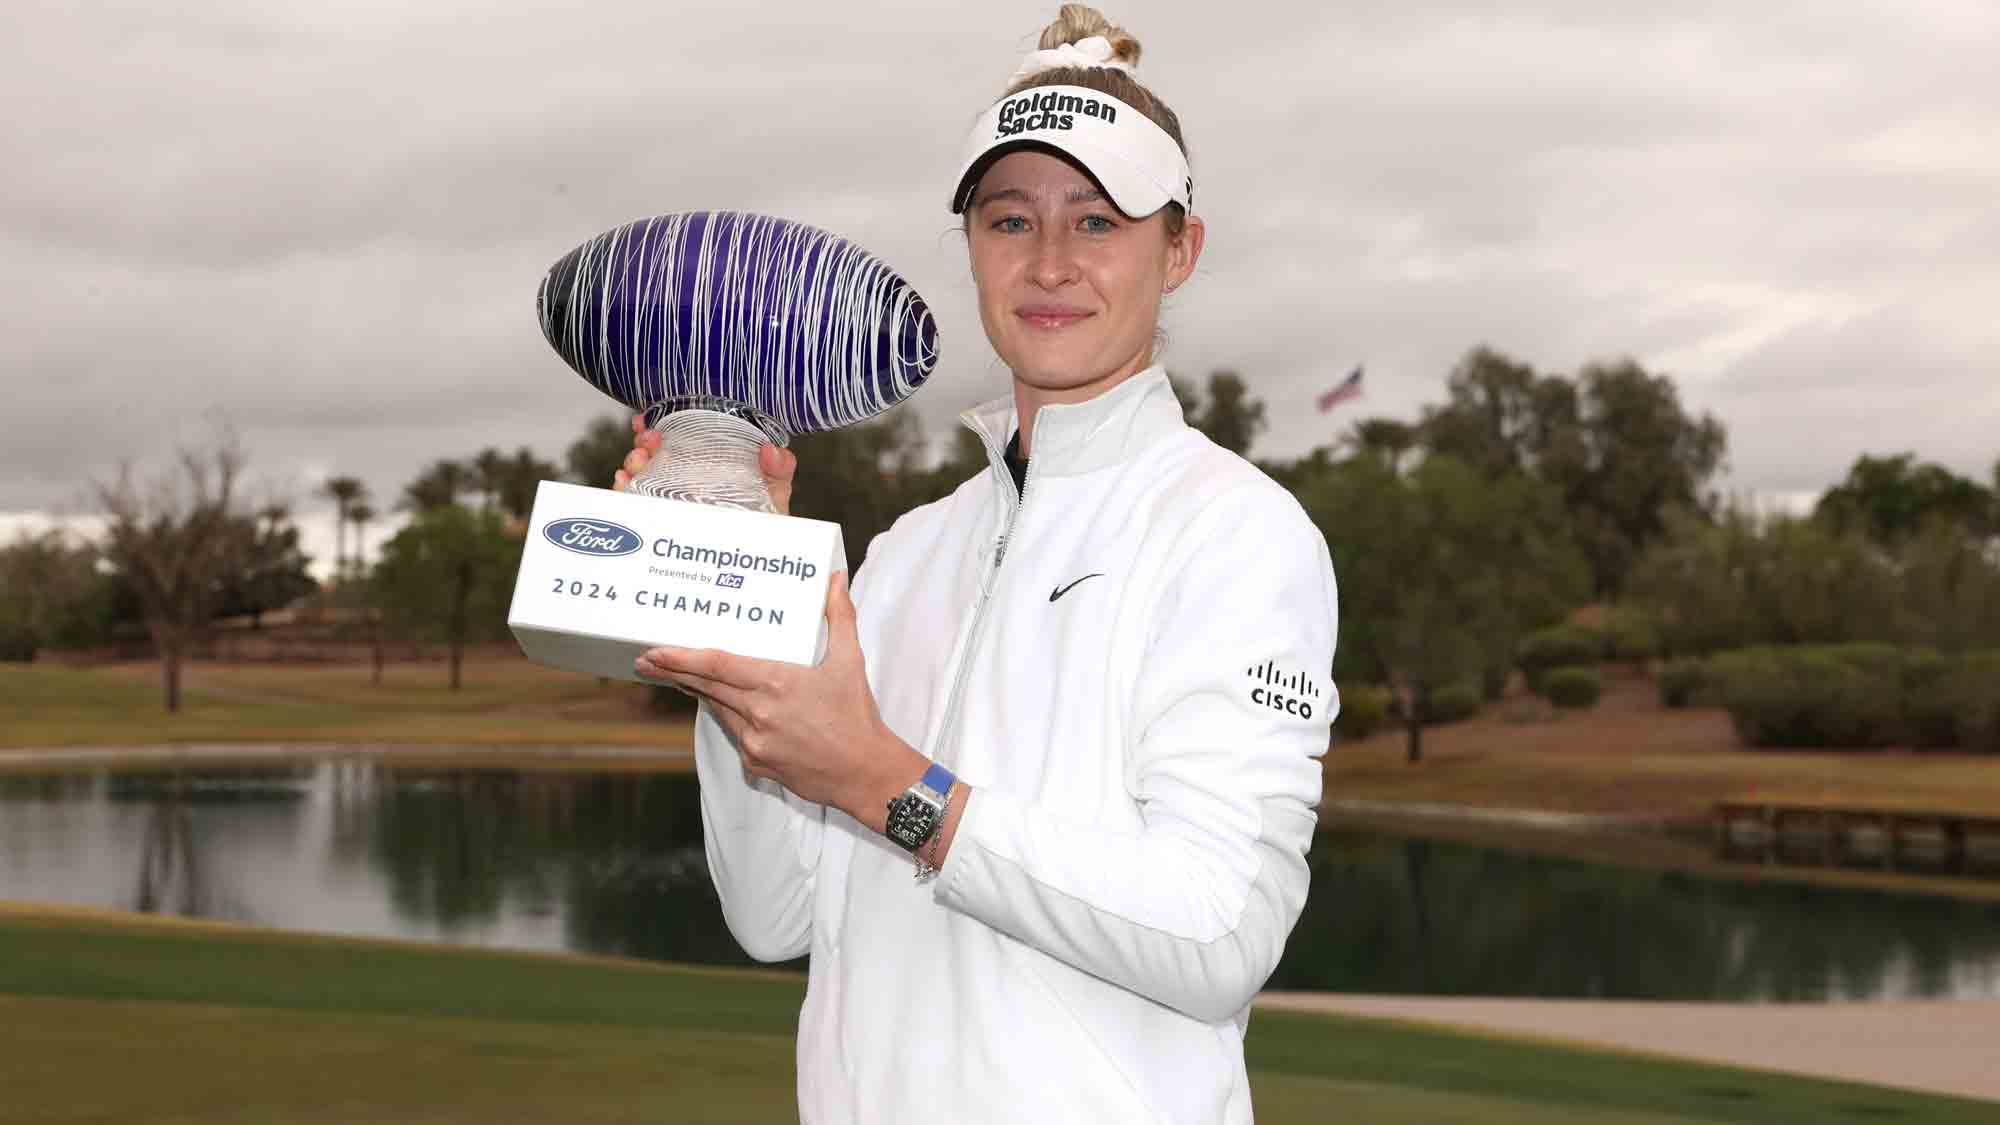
[(1131, 191)]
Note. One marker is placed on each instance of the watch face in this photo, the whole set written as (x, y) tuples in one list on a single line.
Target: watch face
[(911, 819)]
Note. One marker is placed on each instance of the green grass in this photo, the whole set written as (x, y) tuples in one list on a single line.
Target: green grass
[(195, 1023), (502, 702)]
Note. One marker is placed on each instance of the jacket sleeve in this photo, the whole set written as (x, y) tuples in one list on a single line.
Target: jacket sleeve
[(762, 842), (1232, 709)]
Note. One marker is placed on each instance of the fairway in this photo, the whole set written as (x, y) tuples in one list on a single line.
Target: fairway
[(210, 1023)]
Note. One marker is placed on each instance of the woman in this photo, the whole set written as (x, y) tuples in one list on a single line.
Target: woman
[(1087, 691)]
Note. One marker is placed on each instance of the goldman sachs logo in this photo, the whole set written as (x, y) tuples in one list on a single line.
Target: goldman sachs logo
[(1050, 111), (591, 537)]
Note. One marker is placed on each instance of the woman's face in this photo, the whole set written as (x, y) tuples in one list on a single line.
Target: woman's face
[(1069, 287)]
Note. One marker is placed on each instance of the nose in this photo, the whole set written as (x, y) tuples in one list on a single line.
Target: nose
[(1054, 264)]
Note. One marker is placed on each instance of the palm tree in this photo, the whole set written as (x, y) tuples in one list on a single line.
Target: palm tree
[(345, 492), (489, 471), (523, 474), (438, 487), (359, 515)]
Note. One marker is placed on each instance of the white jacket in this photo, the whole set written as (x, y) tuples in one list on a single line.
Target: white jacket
[(1143, 755)]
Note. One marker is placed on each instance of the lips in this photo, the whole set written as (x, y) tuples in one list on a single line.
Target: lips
[(1051, 316)]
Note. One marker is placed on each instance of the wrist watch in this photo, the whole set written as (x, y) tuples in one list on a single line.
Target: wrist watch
[(918, 813)]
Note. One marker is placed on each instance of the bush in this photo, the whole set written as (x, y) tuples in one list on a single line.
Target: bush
[(1562, 646), (1573, 687), (1630, 634), (1452, 702), (1684, 683), (1931, 698), (17, 644), (1363, 710), (1807, 697), (1977, 677)]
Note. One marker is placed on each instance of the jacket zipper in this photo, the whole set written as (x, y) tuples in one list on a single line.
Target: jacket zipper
[(948, 730)]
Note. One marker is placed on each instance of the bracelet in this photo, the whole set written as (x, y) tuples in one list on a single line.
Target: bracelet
[(926, 856)]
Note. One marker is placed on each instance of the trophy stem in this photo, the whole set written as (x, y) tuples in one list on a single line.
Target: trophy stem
[(707, 457)]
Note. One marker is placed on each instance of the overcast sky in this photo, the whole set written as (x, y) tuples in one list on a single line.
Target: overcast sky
[(327, 220)]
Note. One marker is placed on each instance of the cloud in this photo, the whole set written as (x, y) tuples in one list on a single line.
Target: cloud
[(328, 221)]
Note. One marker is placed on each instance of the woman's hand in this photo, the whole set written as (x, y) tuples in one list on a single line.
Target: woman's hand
[(813, 729), (777, 465)]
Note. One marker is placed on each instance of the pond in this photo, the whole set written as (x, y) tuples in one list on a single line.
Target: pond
[(612, 863)]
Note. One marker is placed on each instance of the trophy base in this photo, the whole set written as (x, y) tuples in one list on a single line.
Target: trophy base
[(607, 575), (708, 454)]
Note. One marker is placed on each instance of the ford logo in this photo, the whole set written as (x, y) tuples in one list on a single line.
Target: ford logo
[(591, 537)]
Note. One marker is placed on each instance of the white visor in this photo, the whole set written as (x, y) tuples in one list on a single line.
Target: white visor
[(1135, 161)]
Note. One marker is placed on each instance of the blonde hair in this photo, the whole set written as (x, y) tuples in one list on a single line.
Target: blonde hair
[(1075, 22)]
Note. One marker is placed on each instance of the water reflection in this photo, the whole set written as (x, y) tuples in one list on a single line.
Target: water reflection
[(611, 863), (1392, 914)]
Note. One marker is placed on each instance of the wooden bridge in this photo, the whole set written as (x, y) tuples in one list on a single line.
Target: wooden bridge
[(1887, 838)]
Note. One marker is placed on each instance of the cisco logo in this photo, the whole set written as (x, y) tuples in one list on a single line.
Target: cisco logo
[(591, 537)]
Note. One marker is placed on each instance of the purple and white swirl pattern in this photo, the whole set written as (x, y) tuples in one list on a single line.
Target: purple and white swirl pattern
[(799, 327)]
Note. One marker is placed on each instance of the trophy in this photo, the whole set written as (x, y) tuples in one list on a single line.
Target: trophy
[(726, 330)]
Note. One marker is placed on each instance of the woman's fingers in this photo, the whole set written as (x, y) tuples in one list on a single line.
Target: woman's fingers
[(779, 466)]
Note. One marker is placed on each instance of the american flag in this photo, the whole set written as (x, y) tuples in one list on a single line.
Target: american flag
[(1347, 388)]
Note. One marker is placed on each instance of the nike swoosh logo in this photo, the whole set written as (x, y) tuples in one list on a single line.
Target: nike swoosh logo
[(1059, 591)]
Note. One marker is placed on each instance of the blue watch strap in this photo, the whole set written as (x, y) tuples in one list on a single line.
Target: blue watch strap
[(938, 779)]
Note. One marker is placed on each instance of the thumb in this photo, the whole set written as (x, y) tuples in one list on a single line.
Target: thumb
[(840, 614)]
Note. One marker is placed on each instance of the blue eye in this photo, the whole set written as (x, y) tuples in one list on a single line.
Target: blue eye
[(1012, 224), (1099, 224)]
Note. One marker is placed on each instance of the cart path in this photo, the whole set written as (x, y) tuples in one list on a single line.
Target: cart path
[(1938, 1046)]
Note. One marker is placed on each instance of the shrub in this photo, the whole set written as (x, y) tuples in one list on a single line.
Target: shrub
[(1363, 710), (1576, 688), (1978, 677), (1932, 692), (1452, 702), (1630, 634), (1684, 683), (1806, 697), (1562, 646)]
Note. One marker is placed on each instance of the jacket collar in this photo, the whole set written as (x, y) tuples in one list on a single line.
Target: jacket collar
[(1079, 437)]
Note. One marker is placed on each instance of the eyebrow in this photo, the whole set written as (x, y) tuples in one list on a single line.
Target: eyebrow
[(1074, 195)]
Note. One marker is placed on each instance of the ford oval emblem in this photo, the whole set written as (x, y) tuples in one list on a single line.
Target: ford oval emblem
[(591, 537)]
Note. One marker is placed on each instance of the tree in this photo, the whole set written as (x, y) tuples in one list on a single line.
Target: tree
[(437, 487), (178, 539), (487, 470), (448, 574), (1438, 568), (273, 573), (1230, 417), (1890, 499), (520, 476), (1227, 413), (1499, 415), (1743, 579), (861, 477), (345, 493), (1615, 443), (362, 514), (51, 593), (595, 458), (1386, 438), (1642, 455)]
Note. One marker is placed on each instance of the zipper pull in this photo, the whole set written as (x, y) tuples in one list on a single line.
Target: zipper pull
[(999, 551)]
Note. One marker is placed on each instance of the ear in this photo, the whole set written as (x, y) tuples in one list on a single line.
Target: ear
[(1185, 251)]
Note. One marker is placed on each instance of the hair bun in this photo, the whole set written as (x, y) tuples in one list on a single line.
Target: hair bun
[(1075, 22)]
